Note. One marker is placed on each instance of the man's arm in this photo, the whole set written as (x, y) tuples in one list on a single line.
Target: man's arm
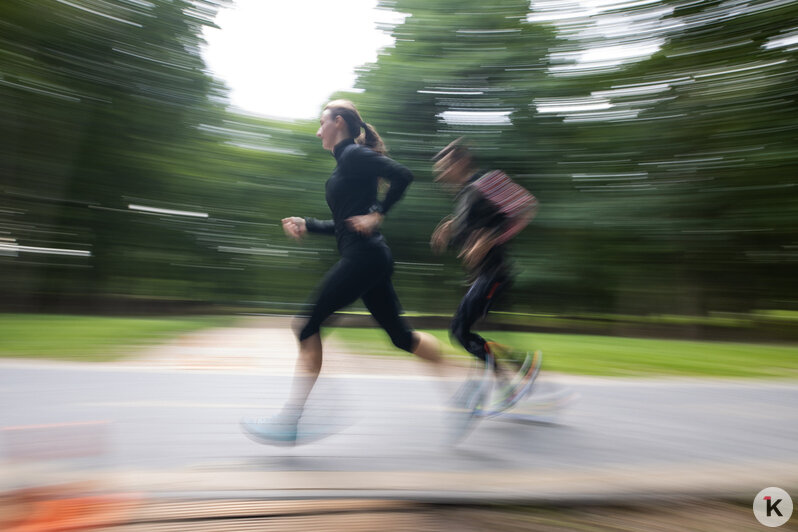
[(439, 240), (498, 210)]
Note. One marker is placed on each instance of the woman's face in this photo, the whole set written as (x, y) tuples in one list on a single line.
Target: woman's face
[(330, 129)]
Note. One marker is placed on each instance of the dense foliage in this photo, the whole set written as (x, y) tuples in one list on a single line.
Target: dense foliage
[(660, 139)]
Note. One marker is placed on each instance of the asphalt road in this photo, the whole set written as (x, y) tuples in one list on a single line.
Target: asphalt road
[(177, 431)]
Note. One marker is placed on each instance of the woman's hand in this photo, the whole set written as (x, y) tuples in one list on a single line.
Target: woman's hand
[(440, 237), (295, 227), (365, 224)]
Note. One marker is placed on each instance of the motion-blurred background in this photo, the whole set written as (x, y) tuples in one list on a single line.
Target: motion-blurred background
[(658, 136)]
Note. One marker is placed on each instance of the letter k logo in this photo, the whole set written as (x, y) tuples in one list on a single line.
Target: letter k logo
[(773, 507)]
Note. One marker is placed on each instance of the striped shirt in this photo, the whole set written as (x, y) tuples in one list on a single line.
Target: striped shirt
[(511, 199), (491, 202)]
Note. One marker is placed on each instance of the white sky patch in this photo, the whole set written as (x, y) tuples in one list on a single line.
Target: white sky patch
[(480, 118), (600, 106), (285, 59), (632, 90), (563, 10), (603, 57), (603, 116), (571, 105), (157, 210), (603, 37), (14, 249), (451, 92), (780, 42), (620, 53)]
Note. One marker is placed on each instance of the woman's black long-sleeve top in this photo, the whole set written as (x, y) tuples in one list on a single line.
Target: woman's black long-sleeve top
[(351, 190)]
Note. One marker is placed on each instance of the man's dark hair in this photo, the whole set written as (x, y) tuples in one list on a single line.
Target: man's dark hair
[(458, 146)]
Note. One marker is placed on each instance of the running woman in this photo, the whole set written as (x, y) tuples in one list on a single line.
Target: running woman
[(366, 264), (490, 209)]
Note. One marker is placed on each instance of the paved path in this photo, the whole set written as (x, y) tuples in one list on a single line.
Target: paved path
[(267, 346), (166, 422)]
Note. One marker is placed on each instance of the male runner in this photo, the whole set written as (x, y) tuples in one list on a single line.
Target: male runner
[(490, 209)]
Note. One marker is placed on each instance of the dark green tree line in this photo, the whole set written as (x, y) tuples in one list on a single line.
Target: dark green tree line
[(666, 184)]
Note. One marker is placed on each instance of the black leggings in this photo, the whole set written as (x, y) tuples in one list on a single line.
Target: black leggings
[(365, 275), (475, 305)]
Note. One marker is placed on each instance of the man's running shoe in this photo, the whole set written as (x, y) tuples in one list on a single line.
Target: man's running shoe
[(469, 402), (279, 430), (521, 385)]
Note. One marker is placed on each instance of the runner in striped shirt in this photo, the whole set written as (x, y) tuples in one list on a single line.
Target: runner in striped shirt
[(490, 209)]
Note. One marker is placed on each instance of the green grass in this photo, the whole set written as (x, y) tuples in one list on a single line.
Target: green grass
[(616, 356), (108, 338), (89, 338)]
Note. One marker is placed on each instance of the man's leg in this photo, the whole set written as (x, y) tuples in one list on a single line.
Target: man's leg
[(475, 305)]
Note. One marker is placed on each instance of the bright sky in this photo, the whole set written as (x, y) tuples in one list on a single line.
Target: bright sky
[(285, 58)]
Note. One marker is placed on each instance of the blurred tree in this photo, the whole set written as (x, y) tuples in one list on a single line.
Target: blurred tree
[(666, 181), (98, 94), (665, 184), (473, 70), (684, 165)]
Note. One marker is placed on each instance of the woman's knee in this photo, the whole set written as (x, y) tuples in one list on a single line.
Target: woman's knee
[(304, 327), (402, 339)]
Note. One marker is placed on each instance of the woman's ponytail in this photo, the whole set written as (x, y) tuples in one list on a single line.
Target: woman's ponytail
[(371, 139)]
